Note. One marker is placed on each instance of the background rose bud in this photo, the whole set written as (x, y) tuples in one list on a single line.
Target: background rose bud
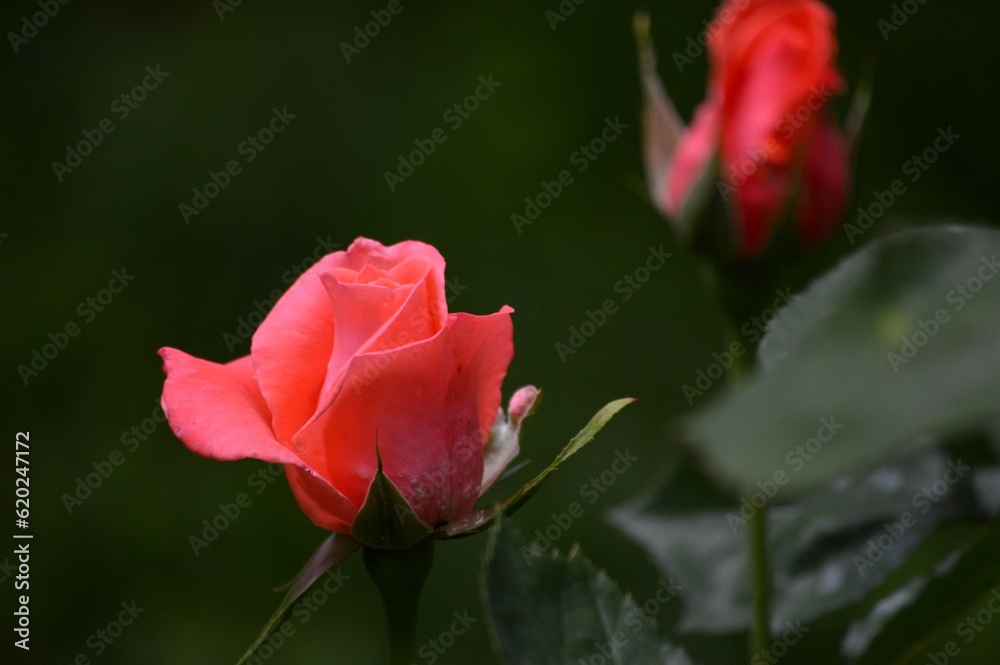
[(360, 349), (764, 135)]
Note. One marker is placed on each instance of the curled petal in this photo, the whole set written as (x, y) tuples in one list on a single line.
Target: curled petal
[(291, 348), (218, 411), (320, 501)]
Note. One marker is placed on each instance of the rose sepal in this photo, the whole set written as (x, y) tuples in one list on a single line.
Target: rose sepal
[(336, 549), (386, 519), (697, 218)]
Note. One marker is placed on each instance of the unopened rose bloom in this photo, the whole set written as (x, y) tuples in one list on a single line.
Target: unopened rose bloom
[(763, 139), (360, 351)]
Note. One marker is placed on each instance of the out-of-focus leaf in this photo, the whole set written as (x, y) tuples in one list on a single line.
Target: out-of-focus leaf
[(827, 551), (862, 631), (955, 617), (899, 341)]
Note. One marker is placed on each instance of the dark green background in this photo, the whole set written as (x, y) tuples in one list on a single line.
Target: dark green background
[(323, 177)]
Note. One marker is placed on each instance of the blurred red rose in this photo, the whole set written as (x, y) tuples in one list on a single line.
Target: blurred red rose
[(766, 122)]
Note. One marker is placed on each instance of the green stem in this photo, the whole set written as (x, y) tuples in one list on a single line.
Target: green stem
[(739, 294), (399, 576), (760, 573), (760, 580)]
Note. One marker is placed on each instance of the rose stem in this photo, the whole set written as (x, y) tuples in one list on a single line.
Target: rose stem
[(399, 576), (739, 291)]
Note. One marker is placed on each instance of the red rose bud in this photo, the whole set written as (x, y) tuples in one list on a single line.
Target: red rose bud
[(378, 402), (763, 142)]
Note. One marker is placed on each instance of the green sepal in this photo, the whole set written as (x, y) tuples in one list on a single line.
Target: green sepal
[(698, 219), (334, 551), (386, 519)]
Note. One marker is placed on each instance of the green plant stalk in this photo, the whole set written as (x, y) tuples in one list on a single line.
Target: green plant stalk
[(399, 576), (739, 293), (760, 580), (760, 572)]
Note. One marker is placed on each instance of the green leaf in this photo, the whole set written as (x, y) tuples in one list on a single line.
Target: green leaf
[(821, 549), (937, 554), (552, 610), (857, 115), (481, 519), (334, 550), (838, 377), (954, 618), (386, 519), (576, 444)]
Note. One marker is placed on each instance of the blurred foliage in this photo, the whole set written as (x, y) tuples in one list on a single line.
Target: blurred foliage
[(323, 177)]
